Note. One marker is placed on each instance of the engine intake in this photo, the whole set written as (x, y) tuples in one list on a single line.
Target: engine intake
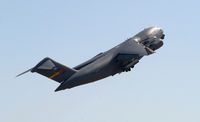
[(156, 44)]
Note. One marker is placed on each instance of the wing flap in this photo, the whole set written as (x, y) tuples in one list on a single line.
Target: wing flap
[(127, 61), (126, 57)]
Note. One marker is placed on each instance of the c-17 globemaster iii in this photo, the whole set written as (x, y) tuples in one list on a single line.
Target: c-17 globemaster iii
[(119, 59)]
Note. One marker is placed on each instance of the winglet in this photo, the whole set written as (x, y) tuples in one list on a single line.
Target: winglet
[(24, 72)]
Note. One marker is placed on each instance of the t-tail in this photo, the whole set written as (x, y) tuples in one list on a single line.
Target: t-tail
[(52, 70)]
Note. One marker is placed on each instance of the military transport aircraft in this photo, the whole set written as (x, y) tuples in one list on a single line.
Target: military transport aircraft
[(119, 59)]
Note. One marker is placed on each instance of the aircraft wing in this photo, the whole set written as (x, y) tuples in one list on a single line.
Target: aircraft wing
[(133, 47), (130, 53), (127, 61)]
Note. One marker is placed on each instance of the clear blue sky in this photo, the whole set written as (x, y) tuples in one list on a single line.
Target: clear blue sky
[(163, 87)]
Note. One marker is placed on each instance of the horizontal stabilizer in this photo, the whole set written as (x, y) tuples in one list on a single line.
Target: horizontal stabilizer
[(24, 72)]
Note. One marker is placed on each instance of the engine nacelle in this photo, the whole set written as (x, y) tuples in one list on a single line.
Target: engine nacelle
[(156, 44)]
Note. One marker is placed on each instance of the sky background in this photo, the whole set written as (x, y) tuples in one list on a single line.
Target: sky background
[(163, 87)]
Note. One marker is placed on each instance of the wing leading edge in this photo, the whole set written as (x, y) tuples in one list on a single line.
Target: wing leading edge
[(133, 47)]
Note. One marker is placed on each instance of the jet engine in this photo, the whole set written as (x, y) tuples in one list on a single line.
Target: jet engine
[(156, 44)]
